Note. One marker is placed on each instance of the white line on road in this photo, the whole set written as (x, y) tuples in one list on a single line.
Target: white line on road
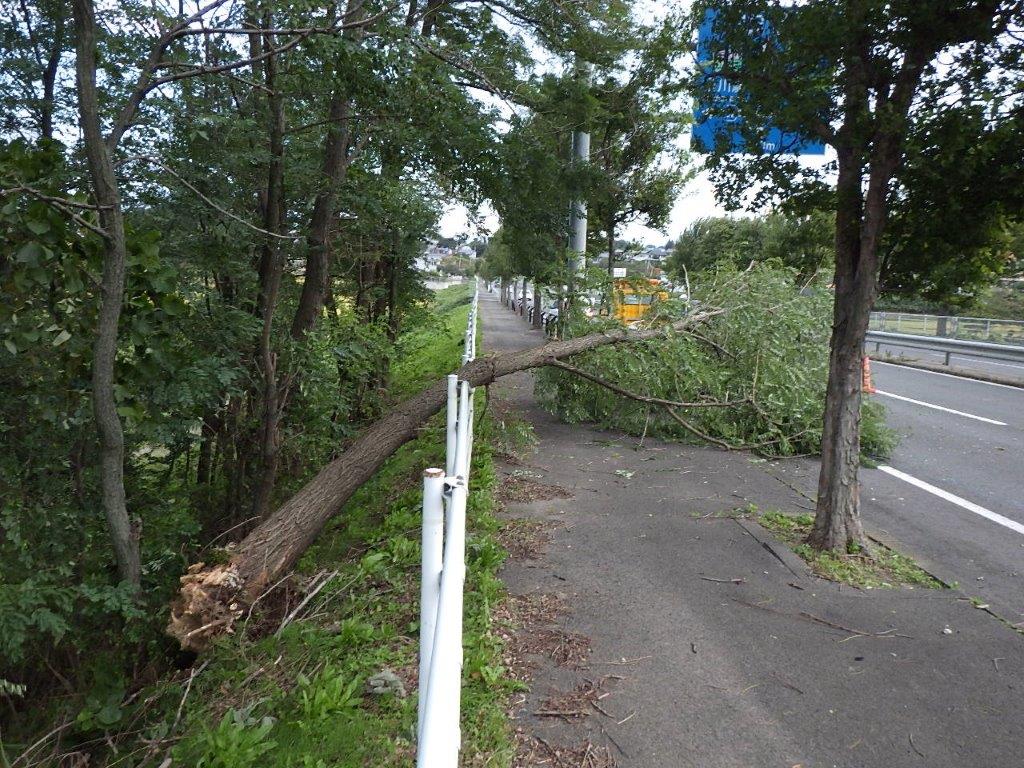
[(968, 379), (970, 506), (941, 408)]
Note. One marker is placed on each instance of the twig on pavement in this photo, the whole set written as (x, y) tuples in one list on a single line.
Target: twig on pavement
[(913, 745)]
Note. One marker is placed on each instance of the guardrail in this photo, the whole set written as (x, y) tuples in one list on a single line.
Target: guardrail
[(443, 573), (952, 327), (982, 349)]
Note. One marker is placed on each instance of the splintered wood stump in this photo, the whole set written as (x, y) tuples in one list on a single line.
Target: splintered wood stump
[(213, 597)]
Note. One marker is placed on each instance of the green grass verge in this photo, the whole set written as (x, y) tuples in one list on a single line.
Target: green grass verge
[(301, 700), (884, 567)]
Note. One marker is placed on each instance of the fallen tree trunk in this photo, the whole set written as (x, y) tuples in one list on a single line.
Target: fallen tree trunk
[(213, 597)]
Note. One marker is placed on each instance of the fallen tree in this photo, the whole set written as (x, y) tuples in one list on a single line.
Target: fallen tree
[(213, 597)]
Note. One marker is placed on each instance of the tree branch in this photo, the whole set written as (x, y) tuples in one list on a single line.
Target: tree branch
[(234, 217), (644, 398), (145, 83), (64, 206)]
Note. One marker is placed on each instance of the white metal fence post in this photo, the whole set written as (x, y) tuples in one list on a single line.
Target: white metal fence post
[(452, 424), (441, 737), (430, 574), (443, 573), (462, 442)]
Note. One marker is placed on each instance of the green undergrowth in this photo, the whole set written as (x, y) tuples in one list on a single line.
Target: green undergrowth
[(883, 567), (300, 697)]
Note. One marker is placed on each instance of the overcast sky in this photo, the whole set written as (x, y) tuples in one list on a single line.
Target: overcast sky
[(697, 200)]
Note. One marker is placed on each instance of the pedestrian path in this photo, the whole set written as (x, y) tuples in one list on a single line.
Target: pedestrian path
[(714, 645)]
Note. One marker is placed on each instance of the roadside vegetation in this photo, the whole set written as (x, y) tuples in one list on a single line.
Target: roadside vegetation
[(288, 690), (213, 331), (882, 567)]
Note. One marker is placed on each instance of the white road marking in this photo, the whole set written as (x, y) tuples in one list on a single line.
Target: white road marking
[(941, 408), (950, 375), (970, 506)]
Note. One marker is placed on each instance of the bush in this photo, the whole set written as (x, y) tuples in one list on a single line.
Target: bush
[(768, 353)]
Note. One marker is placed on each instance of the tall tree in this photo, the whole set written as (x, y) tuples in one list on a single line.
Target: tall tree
[(803, 242), (961, 183), (107, 194), (634, 132), (856, 75), (34, 39), (99, 150)]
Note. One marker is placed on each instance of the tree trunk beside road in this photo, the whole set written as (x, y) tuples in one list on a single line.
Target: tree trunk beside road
[(837, 522)]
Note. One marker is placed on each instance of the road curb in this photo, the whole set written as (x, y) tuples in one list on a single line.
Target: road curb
[(951, 371)]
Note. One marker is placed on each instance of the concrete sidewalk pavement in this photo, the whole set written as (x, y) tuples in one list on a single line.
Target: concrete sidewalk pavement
[(759, 673)]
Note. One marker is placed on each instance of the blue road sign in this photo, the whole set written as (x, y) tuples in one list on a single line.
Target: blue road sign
[(708, 128)]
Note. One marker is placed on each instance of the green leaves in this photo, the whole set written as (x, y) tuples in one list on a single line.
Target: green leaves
[(768, 354)]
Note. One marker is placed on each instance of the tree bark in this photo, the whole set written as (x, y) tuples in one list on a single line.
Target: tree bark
[(522, 304), (394, 318), (860, 221), (332, 174), (49, 77), (536, 305), (208, 435), (837, 523), (108, 197), (429, 17), (271, 268), (213, 598)]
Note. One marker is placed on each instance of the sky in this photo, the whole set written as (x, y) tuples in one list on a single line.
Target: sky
[(697, 201)]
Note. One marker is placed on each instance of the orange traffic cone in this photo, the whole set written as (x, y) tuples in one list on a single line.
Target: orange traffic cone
[(866, 386)]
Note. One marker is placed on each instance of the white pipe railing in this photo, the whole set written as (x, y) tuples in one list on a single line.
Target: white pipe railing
[(443, 574)]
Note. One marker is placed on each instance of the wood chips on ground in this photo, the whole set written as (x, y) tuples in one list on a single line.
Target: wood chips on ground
[(535, 751), (566, 649), (525, 538), (578, 703), (519, 487)]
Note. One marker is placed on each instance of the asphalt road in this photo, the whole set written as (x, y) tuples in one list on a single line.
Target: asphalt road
[(1006, 370), (969, 527)]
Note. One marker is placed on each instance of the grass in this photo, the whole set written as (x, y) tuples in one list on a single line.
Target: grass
[(301, 700), (883, 567)]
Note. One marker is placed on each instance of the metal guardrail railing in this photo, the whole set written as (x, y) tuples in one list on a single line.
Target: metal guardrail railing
[(951, 327), (949, 347), (443, 574)]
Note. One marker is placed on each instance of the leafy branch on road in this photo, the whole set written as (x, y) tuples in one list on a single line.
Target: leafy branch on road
[(752, 378)]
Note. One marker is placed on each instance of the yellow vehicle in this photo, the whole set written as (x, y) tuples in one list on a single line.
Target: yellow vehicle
[(634, 298)]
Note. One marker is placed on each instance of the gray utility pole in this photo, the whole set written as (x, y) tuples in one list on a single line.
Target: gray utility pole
[(578, 208)]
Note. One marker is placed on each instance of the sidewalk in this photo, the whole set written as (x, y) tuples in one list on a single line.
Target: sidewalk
[(705, 673)]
